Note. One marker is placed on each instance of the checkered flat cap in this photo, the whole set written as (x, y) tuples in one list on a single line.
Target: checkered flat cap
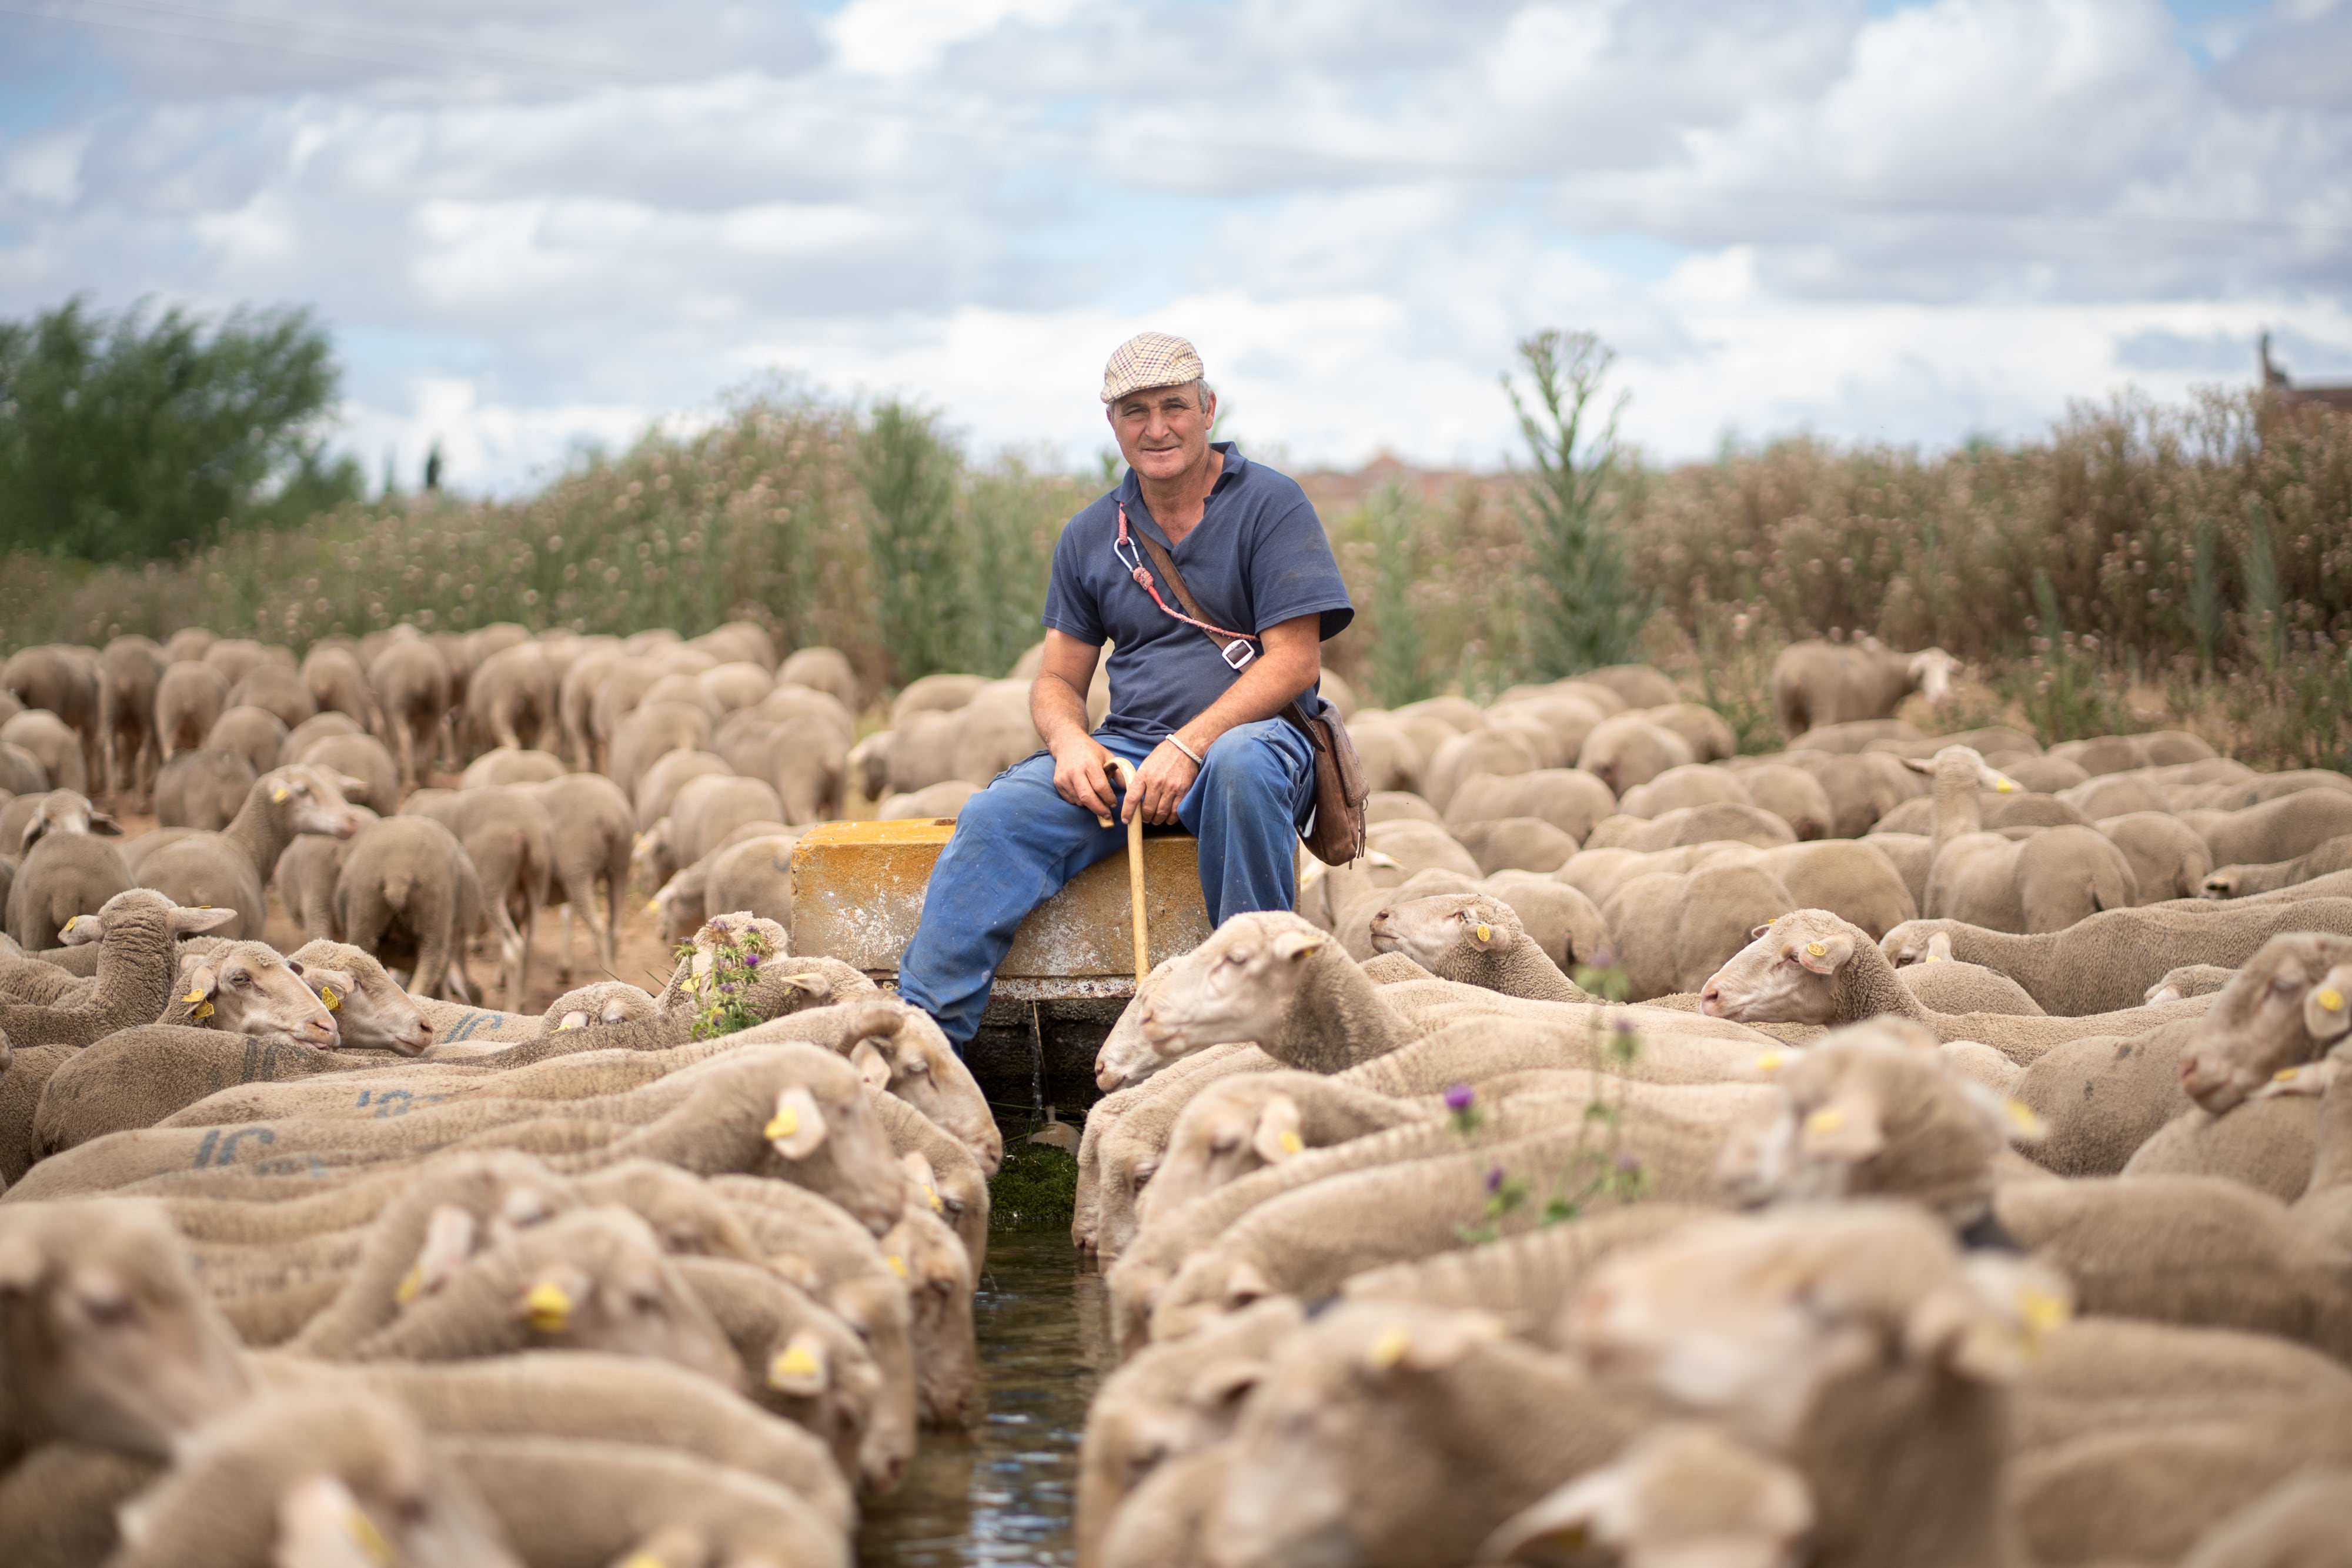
[(1149, 359)]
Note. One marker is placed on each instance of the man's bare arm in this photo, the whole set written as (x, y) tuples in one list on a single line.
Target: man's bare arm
[(1291, 660), (1057, 707)]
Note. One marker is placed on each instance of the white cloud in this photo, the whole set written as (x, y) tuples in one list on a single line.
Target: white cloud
[(535, 224)]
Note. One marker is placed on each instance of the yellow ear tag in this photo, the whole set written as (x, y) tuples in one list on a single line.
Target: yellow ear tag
[(653, 906), (2332, 999), (364, 1535), (932, 1192), (1934, 959), (793, 1361), (1828, 1119), (1390, 1348), (898, 1266), (2021, 1116), (2004, 788), (71, 922), (412, 1285), (550, 1308), (1771, 1061), (1486, 932), (2042, 1311), (279, 794), (1816, 949), (643, 1560), (192, 998), (2287, 1074), (1291, 1143), (785, 1124), (328, 995), (201, 1010)]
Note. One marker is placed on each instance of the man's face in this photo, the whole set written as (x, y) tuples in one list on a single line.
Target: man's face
[(1162, 430)]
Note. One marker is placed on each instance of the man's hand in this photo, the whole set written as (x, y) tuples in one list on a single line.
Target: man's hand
[(1159, 785), (1081, 773)]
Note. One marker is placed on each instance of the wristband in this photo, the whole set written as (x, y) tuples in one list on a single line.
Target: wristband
[(1185, 750)]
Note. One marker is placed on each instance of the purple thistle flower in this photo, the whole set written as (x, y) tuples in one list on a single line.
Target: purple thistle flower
[(1458, 1098), (1628, 1164), (1495, 1179), (1622, 1025)]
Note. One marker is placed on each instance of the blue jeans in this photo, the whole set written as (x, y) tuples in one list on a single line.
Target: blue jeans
[(1017, 841)]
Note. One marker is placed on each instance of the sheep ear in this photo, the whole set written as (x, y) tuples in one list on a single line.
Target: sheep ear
[(1848, 1128), (1432, 1345), (798, 1126), (1760, 932), (186, 921), (799, 1369), (1559, 1527), (873, 1067), (1276, 1138), (575, 1019), (1298, 946), (1940, 947), (918, 1170), (349, 784), (104, 825), (82, 929), (1826, 955), (2328, 1006), (203, 981), (319, 1522), (332, 986), (795, 1269), (1246, 1284), (21, 1264), (2313, 1078), (1989, 1324), (1918, 764), (553, 1298), (449, 1235), (1225, 1383)]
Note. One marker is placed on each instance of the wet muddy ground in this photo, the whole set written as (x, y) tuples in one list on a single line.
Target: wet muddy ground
[(1004, 1491)]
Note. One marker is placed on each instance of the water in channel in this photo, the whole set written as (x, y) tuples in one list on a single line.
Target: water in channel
[(1004, 1491)]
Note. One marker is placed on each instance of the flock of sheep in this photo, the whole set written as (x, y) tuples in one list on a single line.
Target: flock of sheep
[(310, 1259), (1970, 1184), (1964, 1183)]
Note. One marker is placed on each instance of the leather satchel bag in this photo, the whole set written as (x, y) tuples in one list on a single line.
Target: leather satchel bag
[(1336, 833)]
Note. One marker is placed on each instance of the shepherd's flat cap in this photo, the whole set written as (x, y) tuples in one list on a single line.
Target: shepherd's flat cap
[(1149, 359)]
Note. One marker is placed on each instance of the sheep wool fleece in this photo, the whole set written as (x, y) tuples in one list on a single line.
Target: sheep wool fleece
[(1017, 841)]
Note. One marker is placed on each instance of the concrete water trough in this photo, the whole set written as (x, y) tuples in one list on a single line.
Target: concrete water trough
[(858, 892)]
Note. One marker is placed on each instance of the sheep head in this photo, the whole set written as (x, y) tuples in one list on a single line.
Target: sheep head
[(1931, 671), (2290, 1004), (1229, 1129), (1788, 973), (1444, 925), (1963, 767), (601, 1005), (107, 1337), (1126, 1057), (1873, 1110), (65, 811), (1754, 1319), (309, 799), (245, 987), (1237, 986), (371, 1012), (899, 1050), (1683, 1495), (118, 913)]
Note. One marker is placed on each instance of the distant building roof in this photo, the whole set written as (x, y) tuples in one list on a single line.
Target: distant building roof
[(2330, 394)]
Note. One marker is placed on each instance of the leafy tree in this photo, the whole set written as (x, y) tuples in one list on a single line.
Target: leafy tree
[(1582, 608), (908, 471), (1397, 671), (138, 437)]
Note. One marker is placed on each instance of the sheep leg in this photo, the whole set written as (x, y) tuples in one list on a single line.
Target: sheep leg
[(564, 969), (510, 953)]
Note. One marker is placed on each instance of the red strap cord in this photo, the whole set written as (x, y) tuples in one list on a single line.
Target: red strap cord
[(1132, 560)]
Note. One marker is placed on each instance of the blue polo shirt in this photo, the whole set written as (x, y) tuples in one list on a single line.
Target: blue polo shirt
[(1258, 558)]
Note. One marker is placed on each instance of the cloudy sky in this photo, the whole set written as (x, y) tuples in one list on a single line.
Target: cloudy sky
[(534, 223)]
